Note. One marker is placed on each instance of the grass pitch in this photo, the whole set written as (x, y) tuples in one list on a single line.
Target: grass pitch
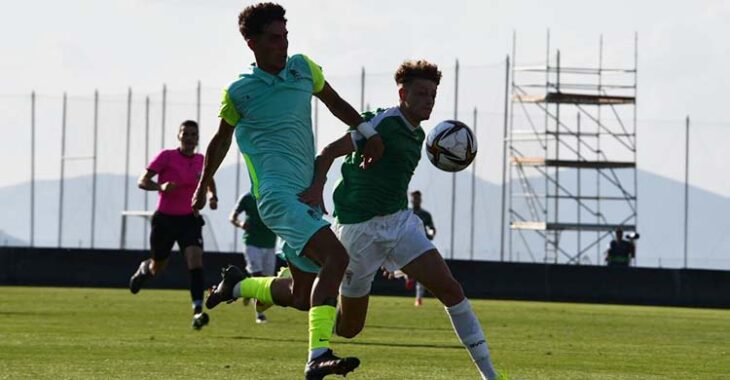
[(61, 333)]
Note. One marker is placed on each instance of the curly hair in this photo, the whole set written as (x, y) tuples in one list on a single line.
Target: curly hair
[(421, 69), (253, 19)]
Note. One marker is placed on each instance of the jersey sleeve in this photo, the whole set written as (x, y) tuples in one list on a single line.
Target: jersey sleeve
[(317, 75), (358, 140), (158, 163), (228, 110)]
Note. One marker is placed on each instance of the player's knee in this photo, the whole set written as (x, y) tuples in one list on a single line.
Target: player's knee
[(453, 293)]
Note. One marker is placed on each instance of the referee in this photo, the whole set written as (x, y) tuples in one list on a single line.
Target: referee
[(175, 221)]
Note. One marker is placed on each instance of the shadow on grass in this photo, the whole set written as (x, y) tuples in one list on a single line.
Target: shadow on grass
[(355, 343)]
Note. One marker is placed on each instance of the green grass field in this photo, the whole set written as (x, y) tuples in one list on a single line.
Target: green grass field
[(60, 333)]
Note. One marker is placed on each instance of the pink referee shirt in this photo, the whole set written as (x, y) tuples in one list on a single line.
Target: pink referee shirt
[(173, 166)]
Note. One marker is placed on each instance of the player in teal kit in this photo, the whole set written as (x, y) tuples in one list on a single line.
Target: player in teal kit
[(269, 110), (374, 222)]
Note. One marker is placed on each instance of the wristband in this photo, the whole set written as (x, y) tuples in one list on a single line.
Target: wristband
[(366, 130)]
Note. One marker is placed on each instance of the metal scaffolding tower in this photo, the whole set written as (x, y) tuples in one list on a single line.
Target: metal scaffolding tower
[(571, 148)]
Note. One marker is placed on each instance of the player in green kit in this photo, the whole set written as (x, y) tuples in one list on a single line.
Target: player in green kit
[(260, 242), (269, 110), (374, 222)]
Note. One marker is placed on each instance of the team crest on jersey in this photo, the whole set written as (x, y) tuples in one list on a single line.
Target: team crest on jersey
[(348, 276), (313, 213), (295, 73)]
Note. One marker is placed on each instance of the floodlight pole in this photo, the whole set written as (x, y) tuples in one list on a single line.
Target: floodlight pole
[(686, 187), (63, 167), (32, 169), (146, 160), (94, 167), (126, 166)]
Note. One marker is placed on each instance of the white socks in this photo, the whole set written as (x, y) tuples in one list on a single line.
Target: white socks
[(467, 328)]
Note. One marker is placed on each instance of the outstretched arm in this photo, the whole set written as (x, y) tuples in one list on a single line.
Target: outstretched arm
[(341, 147), (373, 150), (214, 155)]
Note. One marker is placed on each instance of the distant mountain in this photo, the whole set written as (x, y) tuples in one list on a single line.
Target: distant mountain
[(8, 240), (660, 216)]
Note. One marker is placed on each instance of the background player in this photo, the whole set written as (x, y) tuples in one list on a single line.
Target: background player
[(259, 241), (430, 230)]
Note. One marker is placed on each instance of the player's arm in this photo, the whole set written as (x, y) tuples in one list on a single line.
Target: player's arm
[(233, 218), (214, 155), (145, 182), (240, 208), (374, 147), (322, 164), (431, 231), (213, 195)]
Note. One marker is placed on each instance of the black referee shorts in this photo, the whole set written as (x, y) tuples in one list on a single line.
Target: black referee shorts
[(186, 230)]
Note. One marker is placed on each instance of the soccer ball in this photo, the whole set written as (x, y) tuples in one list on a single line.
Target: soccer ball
[(451, 146)]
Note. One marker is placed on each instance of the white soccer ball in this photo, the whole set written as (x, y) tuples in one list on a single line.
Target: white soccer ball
[(451, 146)]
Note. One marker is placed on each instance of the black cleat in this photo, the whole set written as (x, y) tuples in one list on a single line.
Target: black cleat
[(223, 292), (329, 364), (200, 320), (139, 277)]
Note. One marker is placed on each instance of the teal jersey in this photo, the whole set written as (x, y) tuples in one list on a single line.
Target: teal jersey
[(272, 116), (382, 189)]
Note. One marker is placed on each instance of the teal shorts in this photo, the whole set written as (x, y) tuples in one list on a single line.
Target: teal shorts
[(295, 223), (303, 263)]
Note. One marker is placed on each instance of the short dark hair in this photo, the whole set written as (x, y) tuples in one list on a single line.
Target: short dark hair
[(189, 123), (421, 69), (254, 18), (414, 193)]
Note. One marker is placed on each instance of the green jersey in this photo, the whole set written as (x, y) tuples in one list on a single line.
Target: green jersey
[(382, 189), (257, 234)]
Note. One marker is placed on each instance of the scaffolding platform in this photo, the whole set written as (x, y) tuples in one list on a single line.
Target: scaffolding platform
[(542, 226), (568, 98), (540, 161), (569, 158)]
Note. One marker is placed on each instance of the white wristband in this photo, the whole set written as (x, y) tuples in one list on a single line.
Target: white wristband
[(366, 129)]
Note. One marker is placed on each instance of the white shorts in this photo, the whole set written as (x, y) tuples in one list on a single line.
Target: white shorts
[(260, 260), (390, 241)]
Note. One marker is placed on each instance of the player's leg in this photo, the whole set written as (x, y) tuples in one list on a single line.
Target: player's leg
[(254, 267), (190, 241), (268, 268), (366, 259), (161, 243), (420, 290), (194, 260), (420, 260), (431, 270), (286, 291), (324, 249), (351, 315)]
